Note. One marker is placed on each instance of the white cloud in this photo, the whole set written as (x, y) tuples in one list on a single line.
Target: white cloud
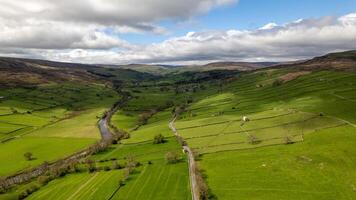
[(48, 24), (86, 31), (296, 40)]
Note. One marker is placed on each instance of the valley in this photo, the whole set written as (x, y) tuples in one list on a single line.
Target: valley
[(273, 132)]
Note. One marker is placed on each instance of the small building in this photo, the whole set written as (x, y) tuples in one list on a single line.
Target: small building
[(245, 119)]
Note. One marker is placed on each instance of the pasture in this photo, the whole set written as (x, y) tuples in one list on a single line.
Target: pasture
[(50, 121), (297, 143), (99, 185)]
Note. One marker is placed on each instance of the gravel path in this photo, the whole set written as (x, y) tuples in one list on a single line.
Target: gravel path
[(192, 175)]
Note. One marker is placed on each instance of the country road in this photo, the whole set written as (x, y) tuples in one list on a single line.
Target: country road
[(192, 175)]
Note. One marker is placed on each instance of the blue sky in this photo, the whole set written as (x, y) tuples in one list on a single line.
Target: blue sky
[(248, 15)]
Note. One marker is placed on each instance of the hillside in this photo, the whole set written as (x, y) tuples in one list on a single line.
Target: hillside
[(279, 132), (17, 71), (344, 61)]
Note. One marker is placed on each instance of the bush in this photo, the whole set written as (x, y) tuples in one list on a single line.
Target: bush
[(28, 191), (253, 139), (28, 156), (288, 140), (43, 180), (91, 166), (172, 157), (277, 82), (22, 195), (116, 165), (121, 183), (107, 168), (159, 139), (2, 190)]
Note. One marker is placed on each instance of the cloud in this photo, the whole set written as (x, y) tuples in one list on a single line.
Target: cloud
[(88, 32), (68, 24), (300, 39)]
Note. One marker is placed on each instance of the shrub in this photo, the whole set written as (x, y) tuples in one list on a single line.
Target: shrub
[(28, 191), (2, 190), (277, 82), (253, 139), (28, 156), (288, 140), (121, 183), (91, 165), (75, 167), (43, 180), (107, 168), (22, 195), (159, 139), (116, 165), (172, 157)]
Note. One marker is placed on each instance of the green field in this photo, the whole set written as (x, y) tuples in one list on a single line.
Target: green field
[(316, 112), (322, 167), (100, 185), (51, 121), (257, 137)]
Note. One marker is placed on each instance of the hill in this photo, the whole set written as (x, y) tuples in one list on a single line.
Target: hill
[(344, 61), (279, 132), (18, 71)]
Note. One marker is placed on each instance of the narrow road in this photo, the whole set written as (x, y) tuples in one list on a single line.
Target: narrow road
[(191, 162)]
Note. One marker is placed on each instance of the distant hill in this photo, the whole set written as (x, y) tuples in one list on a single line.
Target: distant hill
[(166, 69), (18, 71), (240, 66), (345, 61)]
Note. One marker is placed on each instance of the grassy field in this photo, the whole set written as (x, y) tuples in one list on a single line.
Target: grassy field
[(50, 121), (259, 136), (153, 179), (322, 167), (316, 112), (99, 185)]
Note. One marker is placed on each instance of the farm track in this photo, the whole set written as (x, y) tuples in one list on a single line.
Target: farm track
[(192, 175)]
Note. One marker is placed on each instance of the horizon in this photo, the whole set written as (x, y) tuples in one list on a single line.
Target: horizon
[(176, 33)]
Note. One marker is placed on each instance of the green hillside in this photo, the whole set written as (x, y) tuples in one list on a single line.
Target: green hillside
[(284, 132)]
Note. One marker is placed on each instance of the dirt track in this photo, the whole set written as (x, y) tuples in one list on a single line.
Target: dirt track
[(192, 175)]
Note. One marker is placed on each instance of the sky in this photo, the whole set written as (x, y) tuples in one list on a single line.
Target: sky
[(175, 31)]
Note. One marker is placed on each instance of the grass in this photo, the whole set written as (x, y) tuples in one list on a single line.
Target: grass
[(157, 181), (319, 168), (318, 165), (298, 143), (99, 185), (126, 120), (51, 121), (81, 125), (43, 149)]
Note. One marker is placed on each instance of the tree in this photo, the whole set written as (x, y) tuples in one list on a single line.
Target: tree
[(288, 140), (116, 165), (159, 139), (43, 180), (91, 165), (277, 82), (28, 156), (172, 157)]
